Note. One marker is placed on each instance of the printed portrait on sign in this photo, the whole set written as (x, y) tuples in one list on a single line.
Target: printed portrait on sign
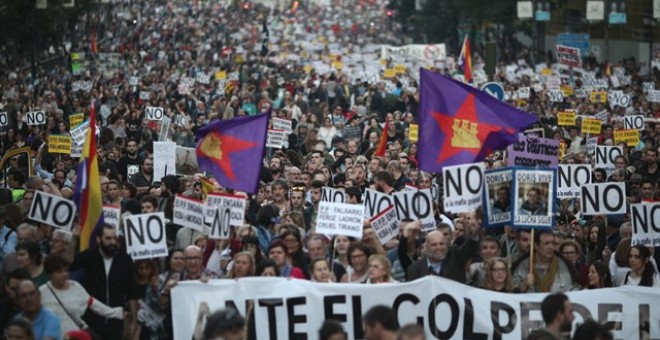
[(498, 198), (186, 162), (533, 197)]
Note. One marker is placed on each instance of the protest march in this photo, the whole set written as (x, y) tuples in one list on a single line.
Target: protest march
[(323, 169)]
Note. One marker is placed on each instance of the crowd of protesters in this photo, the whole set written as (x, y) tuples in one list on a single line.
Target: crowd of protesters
[(337, 121)]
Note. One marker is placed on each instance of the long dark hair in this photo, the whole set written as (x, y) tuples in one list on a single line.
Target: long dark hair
[(603, 271), (647, 274)]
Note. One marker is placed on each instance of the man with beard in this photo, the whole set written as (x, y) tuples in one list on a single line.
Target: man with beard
[(145, 177), (280, 194), (503, 202), (557, 312), (384, 182), (108, 276), (276, 167), (312, 210), (534, 205), (130, 160)]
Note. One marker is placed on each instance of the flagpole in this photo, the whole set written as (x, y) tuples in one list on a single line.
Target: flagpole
[(332, 257), (531, 254)]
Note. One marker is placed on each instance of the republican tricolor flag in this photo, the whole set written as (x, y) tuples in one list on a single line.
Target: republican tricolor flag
[(465, 60), (88, 186)]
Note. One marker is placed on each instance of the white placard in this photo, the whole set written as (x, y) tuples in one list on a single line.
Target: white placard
[(111, 215), (645, 218), (375, 202), (605, 156), (133, 81), (656, 9), (533, 197), (415, 205), (52, 210), (463, 187), (164, 160), (145, 95), (525, 10), (36, 118), (275, 138), (82, 85), (282, 124), (648, 86), (76, 149), (340, 219), (618, 98), (79, 133), (145, 235), (333, 195), (4, 119), (235, 204), (523, 93), (633, 122), (556, 96), (571, 178), (188, 213), (653, 96), (386, 225), (154, 113), (604, 199), (220, 227), (595, 10), (497, 197)]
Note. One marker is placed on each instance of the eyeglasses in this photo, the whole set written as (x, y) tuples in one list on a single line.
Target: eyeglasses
[(358, 256)]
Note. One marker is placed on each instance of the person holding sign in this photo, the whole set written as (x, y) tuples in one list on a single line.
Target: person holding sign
[(551, 272), (108, 276)]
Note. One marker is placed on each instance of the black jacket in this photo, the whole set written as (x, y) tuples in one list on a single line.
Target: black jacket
[(453, 266)]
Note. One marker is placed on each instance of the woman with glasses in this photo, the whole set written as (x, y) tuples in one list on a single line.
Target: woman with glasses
[(497, 276), (571, 251), (358, 269), (380, 270), (641, 271)]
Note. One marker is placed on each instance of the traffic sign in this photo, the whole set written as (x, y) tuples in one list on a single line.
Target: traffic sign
[(494, 89)]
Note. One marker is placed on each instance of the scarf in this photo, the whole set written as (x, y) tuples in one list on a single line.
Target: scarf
[(545, 284)]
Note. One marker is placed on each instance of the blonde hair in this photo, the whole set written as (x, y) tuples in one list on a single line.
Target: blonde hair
[(488, 275), (251, 271), (385, 262)]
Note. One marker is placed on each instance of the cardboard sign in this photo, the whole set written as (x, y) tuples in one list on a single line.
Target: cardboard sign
[(79, 133), (283, 124), (275, 138), (188, 213), (333, 195), (531, 151), (76, 150), (556, 96), (523, 93), (375, 202), (591, 126), (497, 197), (463, 187), (570, 179), (653, 96), (144, 95), (220, 227), (568, 56), (633, 122), (386, 225), (389, 73), (645, 218), (4, 120), (36, 118), (604, 199), (598, 97), (164, 159), (76, 119), (59, 144), (534, 193), (111, 215), (605, 156), (145, 236), (52, 210), (415, 205), (630, 137), (566, 118), (340, 219), (221, 75), (617, 98), (154, 113), (225, 202), (413, 132), (82, 85)]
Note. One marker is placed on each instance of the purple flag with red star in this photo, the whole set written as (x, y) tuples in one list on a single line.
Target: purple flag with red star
[(233, 151), (460, 124)]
